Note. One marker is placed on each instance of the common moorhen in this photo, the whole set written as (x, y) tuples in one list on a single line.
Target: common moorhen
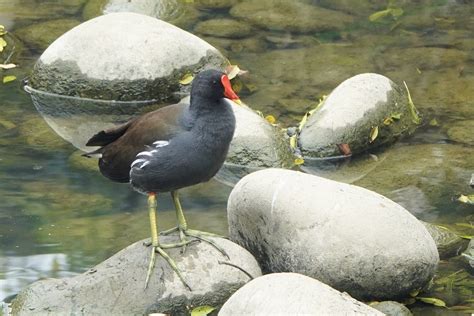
[(171, 148)]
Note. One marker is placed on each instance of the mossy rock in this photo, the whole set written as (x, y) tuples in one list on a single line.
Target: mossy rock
[(215, 4), (461, 132), (228, 28), (40, 35), (292, 16), (39, 135)]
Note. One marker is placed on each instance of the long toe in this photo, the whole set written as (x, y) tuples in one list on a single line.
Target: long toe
[(169, 260), (204, 236)]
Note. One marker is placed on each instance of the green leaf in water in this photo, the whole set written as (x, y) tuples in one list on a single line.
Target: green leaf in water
[(414, 113), (202, 310), (396, 116), (7, 79), (434, 122), (432, 300), (374, 17)]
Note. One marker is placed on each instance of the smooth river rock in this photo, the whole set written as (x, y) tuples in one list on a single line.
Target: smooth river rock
[(116, 286), (113, 67), (292, 294), (364, 112), (256, 144), (348, 237), (122, 56)]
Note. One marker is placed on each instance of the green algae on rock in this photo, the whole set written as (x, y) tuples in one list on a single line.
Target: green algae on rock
[(293, 16), (39, 135), (40, 35), (228, 28)]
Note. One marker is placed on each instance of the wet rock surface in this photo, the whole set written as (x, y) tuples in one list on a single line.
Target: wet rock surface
[(350, 238), (291, 294), (223, 28), (414, 176), (461, 132), (392, 308), (448, 243), (40, 35), (113, 286), (285, 16), (365, 111)]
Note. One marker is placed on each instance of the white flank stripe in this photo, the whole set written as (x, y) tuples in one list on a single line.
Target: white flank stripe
[(145, 153), (137, 161)]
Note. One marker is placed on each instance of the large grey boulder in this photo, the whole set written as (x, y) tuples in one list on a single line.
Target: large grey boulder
[(116, 286), (122, 56), (350, 238), (364, 112), (292, 294), (113, 67)]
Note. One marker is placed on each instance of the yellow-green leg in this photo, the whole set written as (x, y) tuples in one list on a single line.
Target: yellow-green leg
[(155, 243), (185, 231)]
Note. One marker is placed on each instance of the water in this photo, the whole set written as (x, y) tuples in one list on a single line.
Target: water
[(59, 216)]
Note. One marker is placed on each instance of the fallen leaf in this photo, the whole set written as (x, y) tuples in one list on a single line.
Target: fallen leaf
[(2, 44), (468, 199), (387, 121), (270, 119), (432, 300), (7, 66), (293, 141), (415, 118), (298, 161), (202, 310), (345, 149), (374, 132), (396, 116), (187, 79), (7, 79)]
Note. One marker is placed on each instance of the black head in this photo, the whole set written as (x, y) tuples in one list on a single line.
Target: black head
[(213, 85)]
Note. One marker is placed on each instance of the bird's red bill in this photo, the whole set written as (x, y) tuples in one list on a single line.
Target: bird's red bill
[(228, 92)]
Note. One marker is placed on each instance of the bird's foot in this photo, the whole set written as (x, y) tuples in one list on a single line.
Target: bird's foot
[(198, 235), (169, 260)]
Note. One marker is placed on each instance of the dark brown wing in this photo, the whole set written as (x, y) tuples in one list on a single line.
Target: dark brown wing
[(107, 136), (123, 143)]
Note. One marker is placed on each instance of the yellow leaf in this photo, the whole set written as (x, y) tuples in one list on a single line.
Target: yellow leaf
[(388, 121), (271, 119), (432, 300), (396, 116), (374, 132), (2, 44), (299, 161), (7, 79), (468, 199), (232, 71), (187, 79), (202, 310), (293, 140), (303, 121), (7, 66), (379, 15)]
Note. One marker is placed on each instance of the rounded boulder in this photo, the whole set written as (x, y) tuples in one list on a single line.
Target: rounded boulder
[(363, 112), (116, 286), (348, 237), (292, 294)]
